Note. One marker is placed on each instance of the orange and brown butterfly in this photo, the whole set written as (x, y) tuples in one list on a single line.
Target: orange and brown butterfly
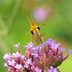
[(35, 32)]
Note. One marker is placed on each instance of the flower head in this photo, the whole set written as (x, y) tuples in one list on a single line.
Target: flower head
[(43, 58)]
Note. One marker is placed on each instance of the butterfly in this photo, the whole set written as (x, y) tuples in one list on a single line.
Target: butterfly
[(35, 31), (36, 35)]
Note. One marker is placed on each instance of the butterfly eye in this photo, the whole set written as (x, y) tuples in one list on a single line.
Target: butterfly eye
[(38, 28), (31, 32)]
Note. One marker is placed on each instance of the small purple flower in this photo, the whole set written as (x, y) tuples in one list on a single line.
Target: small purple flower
[(29, 61), (26, 65), (23, 57), (43, 45), (17, 45), (38, 70), (11, 63), (16, 55), (62, 49), (69, 52), (52, 69), (52, 44), (35, 55), (49, 41), (7, 57), (29, 45), (32, 67), (18, 66), (35, 49), (55, 46)]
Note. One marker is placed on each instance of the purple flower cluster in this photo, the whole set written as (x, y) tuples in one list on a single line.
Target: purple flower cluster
[(43, 58)]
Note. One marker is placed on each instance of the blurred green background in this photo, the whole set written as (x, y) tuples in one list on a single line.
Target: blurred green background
[(15, 27)]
